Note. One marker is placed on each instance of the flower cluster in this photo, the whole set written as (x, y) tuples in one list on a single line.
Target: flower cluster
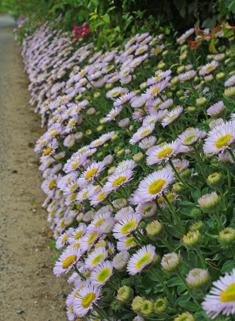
[(138, 167)]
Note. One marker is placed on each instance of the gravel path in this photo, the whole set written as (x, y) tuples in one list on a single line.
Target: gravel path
[(29, 290)]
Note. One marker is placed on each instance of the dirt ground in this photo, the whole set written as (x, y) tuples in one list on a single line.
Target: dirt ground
[(28, 288)]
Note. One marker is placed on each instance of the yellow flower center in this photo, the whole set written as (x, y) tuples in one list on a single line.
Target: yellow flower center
[(101, 196), (85, 194), (64, 238), (156, 50), (47, 151), (145, 259), (97, 259), (76, 245), (189, 139), (68, 261), (170, 196), (119, 181), (165, 152), (52, 184), (97, 188), (223, 141), (156, 90), (91, 173), (160, 200), (99, 143), (73, 196), (128, 227), (171, 117), (73, 187), (115, 93), (71, 123), (158, 78), (91, 238), (52, 212), (157, 186), (78, 235), (99, 222), (130, 241), (209, 68), (146, 132), (229, 294), (75, 164), (103, 275), (88, 298)]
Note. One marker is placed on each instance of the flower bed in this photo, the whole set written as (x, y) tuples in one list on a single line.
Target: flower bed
[(138, 166)]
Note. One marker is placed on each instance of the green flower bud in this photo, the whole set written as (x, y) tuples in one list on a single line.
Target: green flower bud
[(160, 305), (232, 73), (222, 49), (173, 88), (215, 180), (114, 137), (220, 76), (180, 69), (191, 109), (196, 80), (106, 294), (180, 93), (111, 170), (196, 226), (170, 262), (201, 101), (100, 128), (182, 98), (186, 316), (78, 97), (227, 236), (209, 78), (209, 203), (72, 207), (91, 111), (120, 153), (104, 180), (96, 94), (227, 61), (185, 174), (183, 48), (147, 308), (178, 188), (165, 53), (125, 294), (229, 92), (156, 261), (108, 86), (102, 121), (138, 157), (100, 155), (196, 212), (142, 225), (231, 64), (169, 95), (191, 239), (162, 65), (88, 132), (154, 229), (116, 305), (175, 80), (183, 56), (138, 92), (198, 279), (137, 304)]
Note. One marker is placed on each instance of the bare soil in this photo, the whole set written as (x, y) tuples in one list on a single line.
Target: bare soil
[(28, 288)]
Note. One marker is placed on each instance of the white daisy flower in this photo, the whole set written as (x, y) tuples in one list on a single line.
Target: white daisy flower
[(101, 274), (147, 209), (112, 114), (165, 152), (123, 213), (216, 109), (190, 136), (222, 297), (92, 171), (120, 260), (126, 243), (141, 133), (147, 142), (209, 67), (117, 179), (85, 299), (127, 225), (220, 138), (157, 50), (141, 259), (96, 257), (67, 260), (171, 116)]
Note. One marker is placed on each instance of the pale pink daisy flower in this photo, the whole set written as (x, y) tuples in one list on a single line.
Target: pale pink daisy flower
[(197, 277), (124, 123), (74, 162), (123, 213), (141, 49), (63, 238), (127, 225), (137, 101), (147, 142), (179, 165), (126, 243), (67, 260), (117, 180), (150, 119), (126, 164), (160, 76), (147, 209), (191, 136), (165, 152), (216, 109), (217, 122), (96, 257), (99, 197), (126, 80), (124, 98), (120, 260), (141, 133), (102, 273), (152, 186), (155, 90), (171, 116), (185, 35), (136, 62), (157, 50), (77, 233), (166, 104), (119, 203), (188, 75), (114, 92), (170, 261), (209, 67), (230, 82), (112, 114), (222, 297), (141, 259), (85, 299), (108, 160), (220, 138)]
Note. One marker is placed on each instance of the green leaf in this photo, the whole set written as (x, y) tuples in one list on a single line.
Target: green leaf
[(189, 306), (187, 203), (55, 258), (228, 266), (106, 18), (174, 281), (196, 194)]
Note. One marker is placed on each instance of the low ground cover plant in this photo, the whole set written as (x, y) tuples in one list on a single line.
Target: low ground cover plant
[(138, 167)]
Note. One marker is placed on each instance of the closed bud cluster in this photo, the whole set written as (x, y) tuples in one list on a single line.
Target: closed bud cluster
[(106, 294), (215, 180), (196, 212), (88, 132), (180, 93), (170, 262), (160, 305), (196, 226), (198, 278), (125, 294), (209, 203), (154, 229), (227, 236), (191, 239), (186, 316), (116, 305)]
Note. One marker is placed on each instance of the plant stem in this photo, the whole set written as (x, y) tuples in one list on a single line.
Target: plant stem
[(177, 174), (173, 212), (164, 241), (187, 287), (200, 162), (80, 274), (218, 220), (162, 284), (101, 313), (201, 258)]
